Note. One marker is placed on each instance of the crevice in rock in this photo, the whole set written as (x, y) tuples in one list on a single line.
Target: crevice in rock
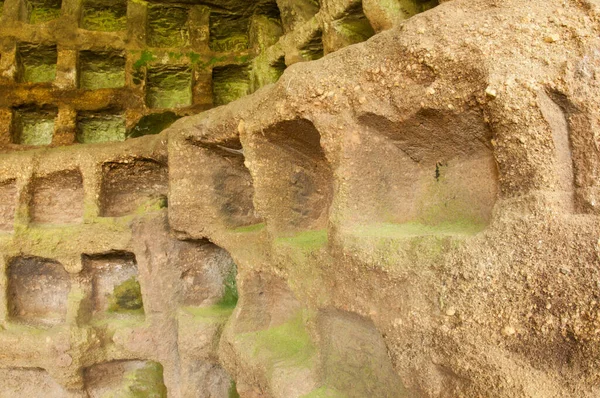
[(313, 48)]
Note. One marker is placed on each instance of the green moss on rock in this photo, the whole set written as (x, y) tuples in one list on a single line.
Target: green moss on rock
[(34, 127), (230, 83), (40, 11), (126, 297), (306, 240), (169, 87), (101, 69), (152, 124), (37, 63), (104, 17), (99, 127), (167, 26)]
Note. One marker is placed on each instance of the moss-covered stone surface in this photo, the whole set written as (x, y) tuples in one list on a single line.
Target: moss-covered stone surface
[(95, 127), (34, 127), (229, 83), (167, 26), (37, 63), (101, 70), (40, 11), (169, 87), (228, 32), (127, 297), (104, 17)]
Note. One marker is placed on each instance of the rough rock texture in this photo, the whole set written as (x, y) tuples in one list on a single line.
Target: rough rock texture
[(413, 216)]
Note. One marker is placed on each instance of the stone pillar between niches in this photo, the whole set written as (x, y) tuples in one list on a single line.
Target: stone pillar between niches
[(137, 13), (199, 28), (64, 129), (66, 69)]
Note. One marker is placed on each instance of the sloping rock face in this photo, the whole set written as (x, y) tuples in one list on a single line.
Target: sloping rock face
[(413, 216)]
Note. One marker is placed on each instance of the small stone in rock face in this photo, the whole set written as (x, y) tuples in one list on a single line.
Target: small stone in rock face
[(490, 92), (451, 311), (508, 330)]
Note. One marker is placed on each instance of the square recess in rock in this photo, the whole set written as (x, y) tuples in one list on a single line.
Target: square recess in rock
[(229, 83), (208, 275), (104, 16), (57, 198), (93, 127), (8, 204), (33, 126), (129, 185), (101, 69), (228, 32), (167, 26), (36, 63), (37, 290), (169, 87), (125, 379), (113, 278), (40, 11)]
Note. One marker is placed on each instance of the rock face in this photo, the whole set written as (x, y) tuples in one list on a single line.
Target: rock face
[(412, 216)]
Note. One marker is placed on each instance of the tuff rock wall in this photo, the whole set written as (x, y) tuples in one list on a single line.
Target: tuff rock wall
[(413, 216)]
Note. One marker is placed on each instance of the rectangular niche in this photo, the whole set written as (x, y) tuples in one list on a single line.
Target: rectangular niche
[(29, 382), (94, 127), (104, 16), (127, 186), (36, 63), (228, 32), (125, 379), (57, 198), (208, 275), (229, 83), (37, 291), (313, 48), (114, 282), (40, 11), (101, 69), (169, 87), (167, 26), (33, 126), (8, 204), (295, 191), (440, 177)]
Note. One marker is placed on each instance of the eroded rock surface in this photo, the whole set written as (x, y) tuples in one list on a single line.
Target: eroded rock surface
[(412, 216)]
